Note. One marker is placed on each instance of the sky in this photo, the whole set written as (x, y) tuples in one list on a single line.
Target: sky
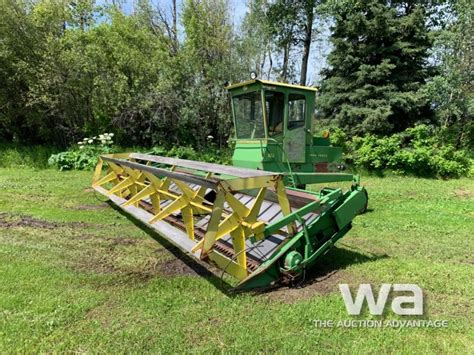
[(238, 7)]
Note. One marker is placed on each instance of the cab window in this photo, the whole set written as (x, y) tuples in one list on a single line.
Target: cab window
[(296, 111), (248, 116), (275, 107)]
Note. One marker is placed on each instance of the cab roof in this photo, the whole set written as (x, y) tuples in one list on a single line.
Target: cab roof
[(273, 83)]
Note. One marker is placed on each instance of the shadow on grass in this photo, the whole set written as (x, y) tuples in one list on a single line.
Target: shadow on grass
[(337, 259), (334, 261), (190, 262)]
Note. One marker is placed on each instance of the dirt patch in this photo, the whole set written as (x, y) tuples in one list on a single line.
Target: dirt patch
[(8, 220), (102, 313), (464, 193), (177, 267), (75, 224), (121, 241), (11, 221), (109, 262), (89, 207), (316, 285)]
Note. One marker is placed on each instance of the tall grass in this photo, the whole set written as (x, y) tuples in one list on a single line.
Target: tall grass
[(34, 156)]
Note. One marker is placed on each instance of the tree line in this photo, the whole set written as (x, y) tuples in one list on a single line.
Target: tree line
[(155, 75)]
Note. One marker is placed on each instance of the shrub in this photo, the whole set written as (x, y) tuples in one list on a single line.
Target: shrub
[(338, 138), (417, 151), (209, 154), (84, 155)]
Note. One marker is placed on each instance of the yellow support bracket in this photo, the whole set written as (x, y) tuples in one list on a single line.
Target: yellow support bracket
[(284, 204)]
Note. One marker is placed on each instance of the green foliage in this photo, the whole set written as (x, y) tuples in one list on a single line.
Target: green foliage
[(378, 67), (84, 155), (81, 69), (33, 156), (452, 91), (73, 159), (210, 155), (417, 151), (255, 45), (73, 69), (285, 26), (338, 138)]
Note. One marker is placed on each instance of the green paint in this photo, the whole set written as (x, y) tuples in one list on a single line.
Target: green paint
[(274, 131), (337, 211)]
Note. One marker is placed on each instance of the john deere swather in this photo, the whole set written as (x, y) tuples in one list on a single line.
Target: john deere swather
[(250, 219)]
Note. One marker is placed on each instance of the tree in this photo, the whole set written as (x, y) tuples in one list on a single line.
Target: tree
[(207, 60), (282, 17), (67, 74), (308, 9), (378, 67), (452, 91), (255, 45), (290, 24), (27, 30), (158, 21)]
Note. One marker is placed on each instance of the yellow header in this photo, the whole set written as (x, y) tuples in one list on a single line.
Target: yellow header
[(265, 82)]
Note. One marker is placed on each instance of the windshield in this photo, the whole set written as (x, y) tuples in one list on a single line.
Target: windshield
[(248, 116)]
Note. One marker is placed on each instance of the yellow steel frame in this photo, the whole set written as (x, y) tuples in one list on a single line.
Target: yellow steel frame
[(237, 220)]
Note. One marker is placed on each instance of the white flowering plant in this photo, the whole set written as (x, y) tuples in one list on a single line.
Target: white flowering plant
[(84, 155), (103, 141)]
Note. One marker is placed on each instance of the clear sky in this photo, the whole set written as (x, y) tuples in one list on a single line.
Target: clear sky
[(238, 7)]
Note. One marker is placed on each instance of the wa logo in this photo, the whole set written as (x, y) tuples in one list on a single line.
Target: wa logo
[(410, 303)]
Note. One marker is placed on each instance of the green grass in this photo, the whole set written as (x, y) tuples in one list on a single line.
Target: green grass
[(24, 156), (78, 276)]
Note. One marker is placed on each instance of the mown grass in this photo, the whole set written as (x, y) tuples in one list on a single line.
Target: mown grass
[(77, 276)]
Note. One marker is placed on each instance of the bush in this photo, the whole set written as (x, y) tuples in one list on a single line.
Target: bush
[(209, 154), (84, 155), (416, 151), (338, 138)]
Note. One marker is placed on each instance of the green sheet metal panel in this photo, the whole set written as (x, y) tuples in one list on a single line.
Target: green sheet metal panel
[(352, 206)]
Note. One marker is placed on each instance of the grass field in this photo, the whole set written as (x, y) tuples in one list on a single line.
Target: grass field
[(78, 276)]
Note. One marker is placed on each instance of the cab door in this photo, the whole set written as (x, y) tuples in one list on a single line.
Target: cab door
[(294, 141)]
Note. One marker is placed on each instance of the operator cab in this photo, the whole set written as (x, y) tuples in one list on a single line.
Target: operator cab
[(270, 111)]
